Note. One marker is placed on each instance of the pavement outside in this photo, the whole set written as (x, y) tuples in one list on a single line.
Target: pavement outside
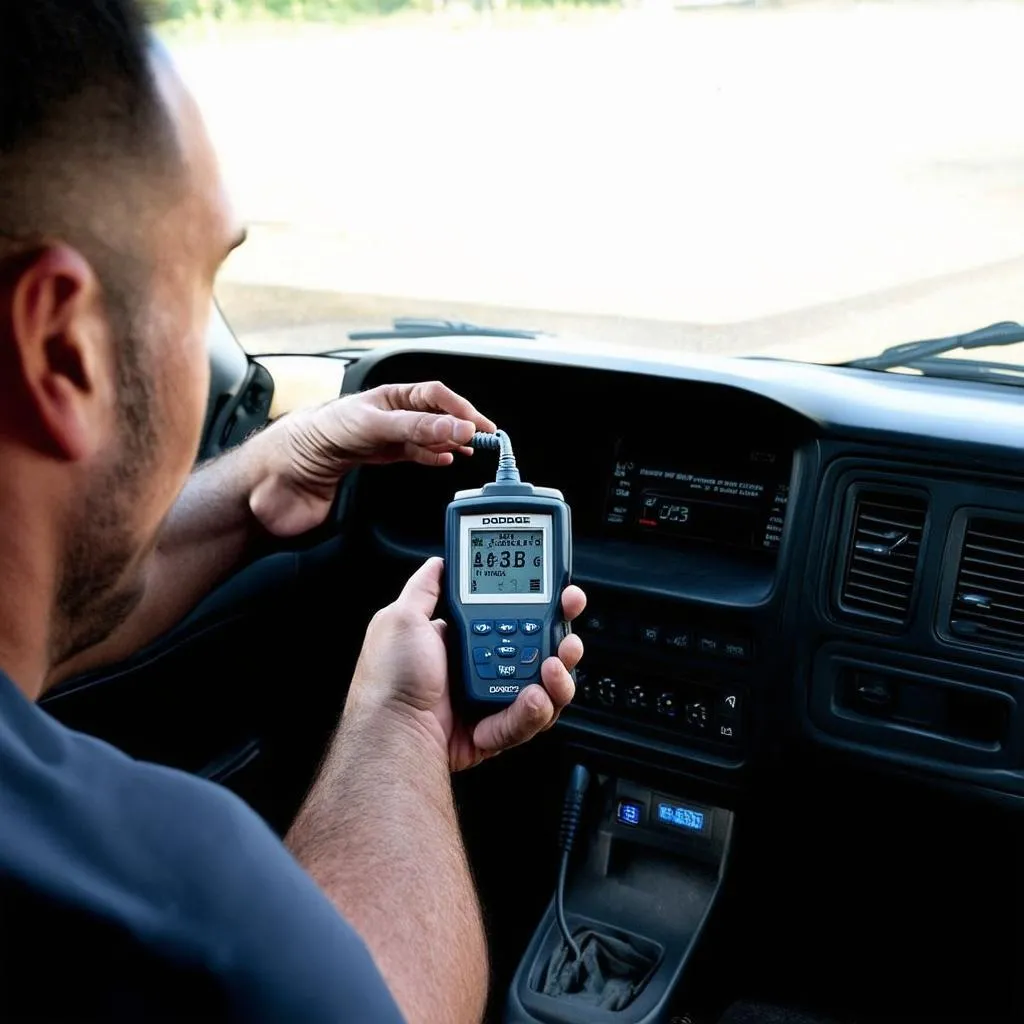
[(816, 180)]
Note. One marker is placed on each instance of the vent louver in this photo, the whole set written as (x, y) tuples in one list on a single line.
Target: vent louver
[(988, 602), (882, 559)]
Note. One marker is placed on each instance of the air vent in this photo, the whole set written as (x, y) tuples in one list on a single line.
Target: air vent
[(881, 563), (988, 602)]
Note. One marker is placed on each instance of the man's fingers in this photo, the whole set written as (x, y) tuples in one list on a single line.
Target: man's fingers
[(536, 708), (433, 396), (425, 429), (423, 590), (461, 449), (573, 602), (427, 457), (557, 682), (570, 651), (518, 723)]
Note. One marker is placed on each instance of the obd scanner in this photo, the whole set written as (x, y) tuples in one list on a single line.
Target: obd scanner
[(508, 557)]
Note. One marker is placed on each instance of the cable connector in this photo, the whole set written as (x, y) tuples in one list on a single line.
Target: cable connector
[(499, 442), (572, 811)]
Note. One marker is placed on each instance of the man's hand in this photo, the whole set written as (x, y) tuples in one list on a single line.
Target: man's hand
[(404, 667), (308, 453), (382, 807)]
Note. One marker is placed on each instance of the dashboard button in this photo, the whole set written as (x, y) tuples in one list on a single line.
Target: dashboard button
[(678, 639), (607, 691), (729, 706), (668, 705), (585, 686), (594, 622), (873, 696), (481, 627), (729, 716), (505, 627), (728, 732), (506, 650), (650, 634), (698, 715), (707, 644), (529, 656), (483, 655), (630, 812), (529, 627), (506, 671), (636, 698), (737, 648)]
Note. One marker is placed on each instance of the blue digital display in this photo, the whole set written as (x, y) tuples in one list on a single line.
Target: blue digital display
[(629, 812), (681, 817)]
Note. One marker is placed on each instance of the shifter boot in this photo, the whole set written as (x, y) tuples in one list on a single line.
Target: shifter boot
[(610, 973)]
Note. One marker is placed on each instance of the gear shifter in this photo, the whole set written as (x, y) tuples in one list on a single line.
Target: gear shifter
[(616, 939), (610, 972)]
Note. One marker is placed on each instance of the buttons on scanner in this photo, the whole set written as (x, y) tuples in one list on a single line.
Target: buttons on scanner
[(503, 659)]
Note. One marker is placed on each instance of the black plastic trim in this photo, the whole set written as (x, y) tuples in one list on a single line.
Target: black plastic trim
[(907, 741)]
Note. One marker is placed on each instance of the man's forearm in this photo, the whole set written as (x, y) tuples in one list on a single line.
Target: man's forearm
[(208, 533), (379, 834)]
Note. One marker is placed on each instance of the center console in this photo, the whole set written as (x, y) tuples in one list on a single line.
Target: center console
[(688, 501), (638, 894), (684, 674)]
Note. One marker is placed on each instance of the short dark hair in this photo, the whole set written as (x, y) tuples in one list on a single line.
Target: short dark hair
[(80, 117), (54, 51), (88, 154), (89, 157)]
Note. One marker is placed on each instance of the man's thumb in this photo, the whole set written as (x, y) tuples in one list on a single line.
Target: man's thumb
[(423, 590)]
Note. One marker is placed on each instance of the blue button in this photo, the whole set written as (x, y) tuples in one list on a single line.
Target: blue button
[(485, 671), (530, 627), (630, 812), (506, 651), (483, 655), (481, 628), (506, 628), (506, 671), (530, 655)]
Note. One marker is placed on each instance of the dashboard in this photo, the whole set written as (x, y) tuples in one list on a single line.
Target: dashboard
[(773, 552)]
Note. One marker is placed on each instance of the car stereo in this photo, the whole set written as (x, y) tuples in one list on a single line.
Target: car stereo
[(733, 495)]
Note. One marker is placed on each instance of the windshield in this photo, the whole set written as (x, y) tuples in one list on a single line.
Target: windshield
[(800, 179)]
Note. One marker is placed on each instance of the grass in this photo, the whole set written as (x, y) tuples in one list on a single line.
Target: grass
[(460, 15)]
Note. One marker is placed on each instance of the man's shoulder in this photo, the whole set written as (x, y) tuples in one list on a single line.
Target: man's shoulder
[(82, 820), (168, 876)]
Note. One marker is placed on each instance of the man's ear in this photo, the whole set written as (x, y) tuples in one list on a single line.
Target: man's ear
[(61, 353)]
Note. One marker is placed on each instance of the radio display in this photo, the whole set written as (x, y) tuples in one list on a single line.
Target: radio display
[(734, 496)]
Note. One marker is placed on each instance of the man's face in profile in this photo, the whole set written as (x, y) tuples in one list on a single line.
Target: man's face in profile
[(162, 383)]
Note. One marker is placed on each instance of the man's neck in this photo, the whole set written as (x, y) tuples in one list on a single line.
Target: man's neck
[(27, 673), (24, 642), (26, 601)]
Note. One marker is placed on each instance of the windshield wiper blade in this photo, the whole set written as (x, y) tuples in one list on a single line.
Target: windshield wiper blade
[(968, 369), (415, 327), (1007, 332)]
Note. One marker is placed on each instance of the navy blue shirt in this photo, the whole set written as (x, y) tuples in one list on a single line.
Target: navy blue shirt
[(134, 892)]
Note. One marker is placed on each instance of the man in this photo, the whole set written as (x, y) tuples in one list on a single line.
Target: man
[(129, 891)]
